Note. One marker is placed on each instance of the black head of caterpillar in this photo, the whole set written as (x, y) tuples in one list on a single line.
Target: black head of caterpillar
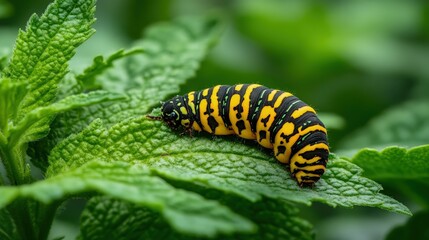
[(275, 119), (170, 115), (175, 113)]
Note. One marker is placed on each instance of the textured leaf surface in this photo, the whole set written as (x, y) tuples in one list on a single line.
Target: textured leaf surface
[(406, 125), (23, 131), (185, 211), (215, 163), (99, 66), (172, 53), (10, 95), (107, 218), (394, 162), (41, 52)]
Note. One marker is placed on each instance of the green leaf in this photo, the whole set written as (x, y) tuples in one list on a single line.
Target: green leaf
[(275, 220), (99, 66), (41, 52), (405, 125), (172, 53), (7, 226), (185, 211), (107, 218), (415, 228), (23, 131), (215, 163), (398, 168), (38, 63), (394, 162), (10, 95)]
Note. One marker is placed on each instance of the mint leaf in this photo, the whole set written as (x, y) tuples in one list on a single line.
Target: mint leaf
[(99, 66), (405, 125), (215, 163), (38, 63), (41, 52), (23, 132), (108, 218), (184, 210), (394, 162), (275, 219), (10, 95), (172, 53), (401, 168), (156, 74)]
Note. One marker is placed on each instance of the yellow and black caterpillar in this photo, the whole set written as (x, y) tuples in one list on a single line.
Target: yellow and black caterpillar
[(277, 120)]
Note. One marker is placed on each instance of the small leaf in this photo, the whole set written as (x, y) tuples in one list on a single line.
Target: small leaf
[(23, 128), (394, 162), (10, 95), (405, 126), (415, 228), (41, 52), (216, 163), (99, 66), (184, 210)]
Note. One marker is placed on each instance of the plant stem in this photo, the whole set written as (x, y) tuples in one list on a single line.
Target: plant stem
[(14, 162), (2, 180), (46, 215), (20, 210)]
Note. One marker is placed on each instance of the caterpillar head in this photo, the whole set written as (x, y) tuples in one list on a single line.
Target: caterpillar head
[(170, 114)]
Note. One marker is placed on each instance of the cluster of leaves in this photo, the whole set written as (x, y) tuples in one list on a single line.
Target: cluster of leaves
[(397, 154), (148, 181)]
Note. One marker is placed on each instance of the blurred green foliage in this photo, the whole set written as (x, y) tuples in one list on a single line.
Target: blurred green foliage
[(356, 59)]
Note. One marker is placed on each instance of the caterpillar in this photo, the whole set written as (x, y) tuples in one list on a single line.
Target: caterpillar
[(275, 119)]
